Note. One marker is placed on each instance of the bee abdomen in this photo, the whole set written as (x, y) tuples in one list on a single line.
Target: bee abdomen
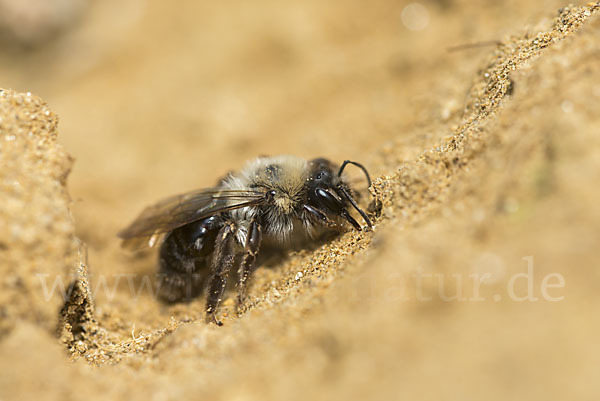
[(183, 257)]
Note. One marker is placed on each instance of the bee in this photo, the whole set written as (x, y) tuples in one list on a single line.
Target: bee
[(272, 199)]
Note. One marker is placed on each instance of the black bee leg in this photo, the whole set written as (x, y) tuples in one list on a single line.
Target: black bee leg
[(355, 206), (253, 240), (346, 194), (222, 260), (336, 206), (318, 215)]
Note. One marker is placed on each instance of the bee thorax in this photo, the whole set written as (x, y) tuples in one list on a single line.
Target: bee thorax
[(285, 203)]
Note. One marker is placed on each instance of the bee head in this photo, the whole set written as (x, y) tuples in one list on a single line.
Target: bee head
[(328, 195)]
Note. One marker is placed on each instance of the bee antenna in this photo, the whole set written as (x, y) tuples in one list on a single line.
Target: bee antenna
[(345, 163)]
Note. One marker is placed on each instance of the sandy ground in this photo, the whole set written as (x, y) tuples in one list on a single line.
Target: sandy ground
[(478, 281)]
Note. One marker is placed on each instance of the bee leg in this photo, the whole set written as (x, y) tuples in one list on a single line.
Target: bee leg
[(336, 206), (318, 215), (222, 260), (253, 240)]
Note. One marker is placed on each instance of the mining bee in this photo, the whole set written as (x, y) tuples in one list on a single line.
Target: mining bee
[(272, 199)]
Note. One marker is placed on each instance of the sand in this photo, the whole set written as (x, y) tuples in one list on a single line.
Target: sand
[(485, 163)]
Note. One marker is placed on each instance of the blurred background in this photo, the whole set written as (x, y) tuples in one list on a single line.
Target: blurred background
[(157, 98)]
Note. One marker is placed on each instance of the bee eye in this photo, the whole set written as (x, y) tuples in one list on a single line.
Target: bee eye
[(319, 176)]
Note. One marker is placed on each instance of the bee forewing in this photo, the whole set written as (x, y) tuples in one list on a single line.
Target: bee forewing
[(135, 243), (179, 210)]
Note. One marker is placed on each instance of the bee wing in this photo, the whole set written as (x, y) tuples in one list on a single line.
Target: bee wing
[(179, 210)]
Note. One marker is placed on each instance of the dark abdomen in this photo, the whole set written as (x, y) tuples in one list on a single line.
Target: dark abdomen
[(184, 255)]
